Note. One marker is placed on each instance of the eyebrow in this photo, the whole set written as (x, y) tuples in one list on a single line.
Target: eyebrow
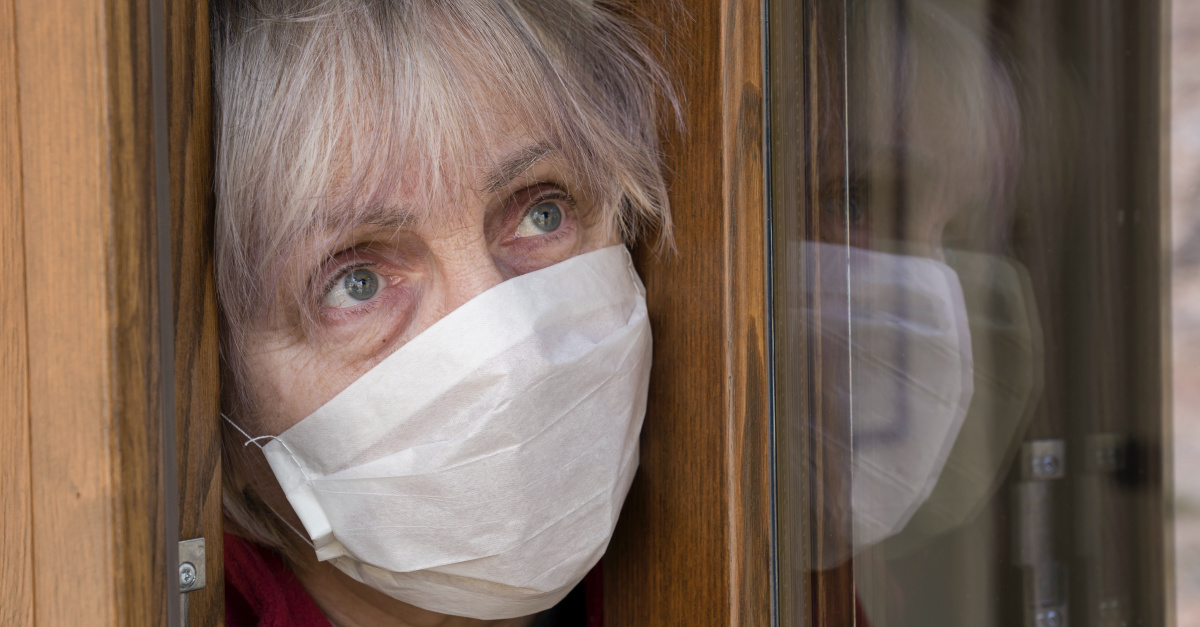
[(338, 231), (386, 217), (514, 164), (507, 168)]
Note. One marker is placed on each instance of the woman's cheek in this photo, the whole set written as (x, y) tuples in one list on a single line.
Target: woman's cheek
[(287, 384)]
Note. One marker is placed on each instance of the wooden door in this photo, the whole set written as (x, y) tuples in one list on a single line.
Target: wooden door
[(104, 215), (86, 502)]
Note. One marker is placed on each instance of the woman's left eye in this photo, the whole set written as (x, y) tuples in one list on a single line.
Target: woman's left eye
[(544, 217), (355, 287)]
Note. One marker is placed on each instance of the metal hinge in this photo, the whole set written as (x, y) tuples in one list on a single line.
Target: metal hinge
[(192, 573), (1043, 463)]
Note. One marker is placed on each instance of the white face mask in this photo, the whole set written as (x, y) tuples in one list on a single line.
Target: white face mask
[(903, 324), (479, 470), (1006, 341)]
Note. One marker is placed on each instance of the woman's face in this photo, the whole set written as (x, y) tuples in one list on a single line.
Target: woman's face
[(403, 266)]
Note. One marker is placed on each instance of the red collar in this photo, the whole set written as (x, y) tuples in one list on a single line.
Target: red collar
[(261, 591)]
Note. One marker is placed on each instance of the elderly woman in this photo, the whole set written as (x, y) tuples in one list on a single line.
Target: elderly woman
[(435, 347)]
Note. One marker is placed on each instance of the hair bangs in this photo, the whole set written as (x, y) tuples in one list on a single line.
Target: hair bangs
[(326, 111)]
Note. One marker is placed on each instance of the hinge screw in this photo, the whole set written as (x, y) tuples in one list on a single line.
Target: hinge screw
[(187, 575), (1049, 618), (1045, 466)]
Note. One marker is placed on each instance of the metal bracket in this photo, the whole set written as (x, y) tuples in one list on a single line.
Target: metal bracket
[(1042, 460), (191, 565), (192, 572)]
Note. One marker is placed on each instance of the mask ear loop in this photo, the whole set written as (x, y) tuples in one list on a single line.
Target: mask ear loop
[(254, 441), (249, 440)]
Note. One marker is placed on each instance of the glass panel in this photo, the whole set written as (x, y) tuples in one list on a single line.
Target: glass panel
[(968, 209)]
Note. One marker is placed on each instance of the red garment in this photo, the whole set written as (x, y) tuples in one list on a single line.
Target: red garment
[(593, 589), (261, 591)]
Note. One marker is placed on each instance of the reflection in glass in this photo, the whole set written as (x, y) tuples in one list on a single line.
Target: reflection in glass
[(969, 296), (903, 323)]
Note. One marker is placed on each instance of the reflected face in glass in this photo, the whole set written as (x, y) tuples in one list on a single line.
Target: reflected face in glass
[(348, 299), (913, 164), (901, 200), (930, 134)]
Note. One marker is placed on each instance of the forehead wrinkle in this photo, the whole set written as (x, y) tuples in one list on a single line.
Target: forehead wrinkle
[(513, 164), (340, 224)]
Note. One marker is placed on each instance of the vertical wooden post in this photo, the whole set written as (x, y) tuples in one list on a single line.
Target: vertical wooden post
[(197, 396), (89, 481), (693, 546), (16, 523)]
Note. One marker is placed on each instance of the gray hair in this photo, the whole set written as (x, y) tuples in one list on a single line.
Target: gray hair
[(324, 106)]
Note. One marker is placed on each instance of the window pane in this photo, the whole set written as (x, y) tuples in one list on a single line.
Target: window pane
[(968, 210)]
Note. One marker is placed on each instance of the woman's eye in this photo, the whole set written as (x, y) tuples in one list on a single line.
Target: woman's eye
[(354, 288), (543, 218)]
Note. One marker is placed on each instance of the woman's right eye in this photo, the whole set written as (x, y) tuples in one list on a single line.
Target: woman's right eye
[(542, 219), (353, 288)]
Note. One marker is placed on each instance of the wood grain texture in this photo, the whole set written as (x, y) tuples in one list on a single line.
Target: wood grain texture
[(133, 298), (63, 111), (748, 429), (90, 262), (197, 393), (16, 522), (693, 545)]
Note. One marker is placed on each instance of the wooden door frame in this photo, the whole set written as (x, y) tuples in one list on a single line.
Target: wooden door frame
[(694, 543), (105, 120)]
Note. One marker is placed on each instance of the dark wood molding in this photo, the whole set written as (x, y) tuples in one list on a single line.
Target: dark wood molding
[(693, 545), (197, 393)]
